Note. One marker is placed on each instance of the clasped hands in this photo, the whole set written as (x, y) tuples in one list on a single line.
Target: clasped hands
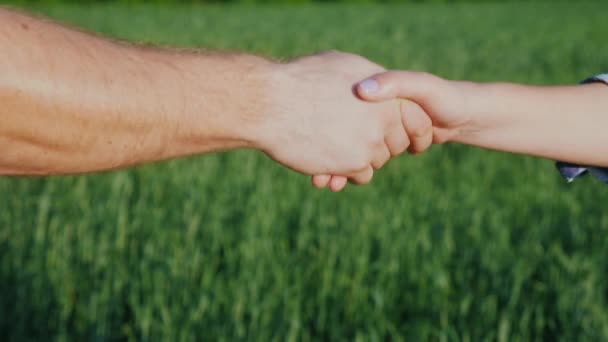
[(339, 117)]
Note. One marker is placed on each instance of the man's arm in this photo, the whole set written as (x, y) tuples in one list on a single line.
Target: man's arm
[(74, 103)]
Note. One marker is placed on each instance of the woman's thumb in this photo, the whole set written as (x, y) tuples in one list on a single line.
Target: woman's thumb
[(394, 84)]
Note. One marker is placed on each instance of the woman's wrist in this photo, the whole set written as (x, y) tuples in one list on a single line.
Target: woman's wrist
[(497, 116), (469, 109), (562, 123)]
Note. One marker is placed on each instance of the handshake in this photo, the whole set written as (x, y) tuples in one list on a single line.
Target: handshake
[(334, 116), (339, 117)]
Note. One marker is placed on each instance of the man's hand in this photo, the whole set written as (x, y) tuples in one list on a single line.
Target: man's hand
[(317, 125)]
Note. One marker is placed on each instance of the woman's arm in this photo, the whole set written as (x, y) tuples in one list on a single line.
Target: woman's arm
[(567, 123)]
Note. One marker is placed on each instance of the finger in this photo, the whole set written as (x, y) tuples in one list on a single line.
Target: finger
[(397, 140), (381, 156), (417, 86), (418, 126), (320, 181), (337, 183), (362, 177)]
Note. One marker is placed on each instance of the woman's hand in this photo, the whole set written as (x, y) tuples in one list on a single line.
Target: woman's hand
[(443, 101), (564, 123), (432, 110)]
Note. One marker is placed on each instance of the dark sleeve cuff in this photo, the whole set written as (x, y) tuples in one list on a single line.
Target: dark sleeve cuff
[(572, 171)]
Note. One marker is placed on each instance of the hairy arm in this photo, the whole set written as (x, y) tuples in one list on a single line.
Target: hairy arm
[(72, 102)]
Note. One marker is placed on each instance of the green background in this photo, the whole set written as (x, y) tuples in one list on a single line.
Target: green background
[(260, 1), (454, 244)]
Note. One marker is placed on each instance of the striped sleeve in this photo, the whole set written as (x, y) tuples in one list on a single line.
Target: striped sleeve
[(571, 171)]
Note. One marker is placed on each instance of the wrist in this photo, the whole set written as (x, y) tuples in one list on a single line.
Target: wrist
[(454, 115), (224, 101), (275, 99), (477, 119), (254, 103), (260, 122), (505, 116)]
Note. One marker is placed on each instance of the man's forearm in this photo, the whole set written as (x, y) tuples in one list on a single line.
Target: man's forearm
[(74, 103), (563, 123)]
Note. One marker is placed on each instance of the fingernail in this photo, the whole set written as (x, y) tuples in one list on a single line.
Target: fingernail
[(369, 86)]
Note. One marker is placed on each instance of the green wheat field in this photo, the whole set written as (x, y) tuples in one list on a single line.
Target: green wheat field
[(458, 244)]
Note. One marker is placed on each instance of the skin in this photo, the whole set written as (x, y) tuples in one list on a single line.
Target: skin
[(565, 123), (75, 103), (419, 132)]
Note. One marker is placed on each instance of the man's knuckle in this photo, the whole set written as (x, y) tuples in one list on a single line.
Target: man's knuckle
[(415, 149), (376, 137), (358, 162), (363, 179), (421, 128), (402, 148), (361, 164)]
